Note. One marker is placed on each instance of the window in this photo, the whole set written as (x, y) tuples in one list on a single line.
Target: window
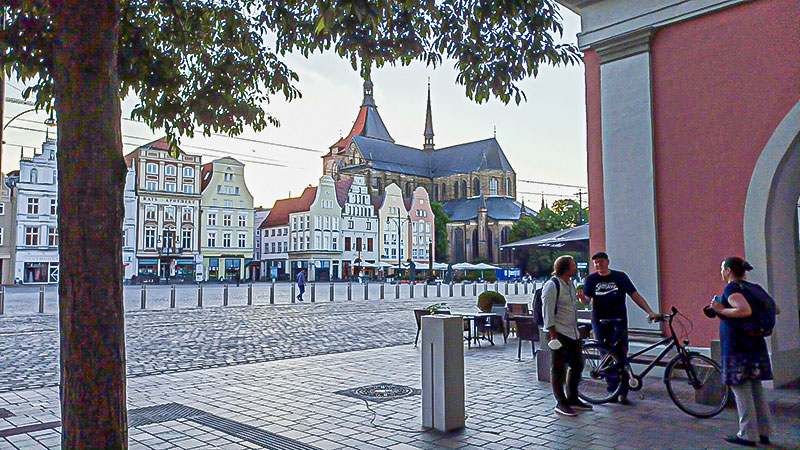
[(33, 206), (31, 236), (186, 238), (1, 236), (427, 227), (2, 209), (359, 244), (53, 207), (152, 168), (347, 243), (236, 190), (149, 237), (188, 188), (187, 214), (308, 222), (170, 170), (170, 187), (455, 190), (493, 186), (151, 185), (228, 177), (150, 212), (228, 204), (273, 247), (242, 220), (294, 243), (335, 245), (327, 222), (369, 225), (188, 172), (350, 224), (226, 220), (212, 219), (34, 176), (212, 239), (294, 223), (508, 186), (226, 240), (317, 222), (169, 213), (335, 224), (55, 175), (476, 187), (369, 244), (464, 189), (52, 236), (242, 240)]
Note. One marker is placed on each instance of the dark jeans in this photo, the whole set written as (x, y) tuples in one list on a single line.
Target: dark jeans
[(615, 333), (570, 355), (302, 288)]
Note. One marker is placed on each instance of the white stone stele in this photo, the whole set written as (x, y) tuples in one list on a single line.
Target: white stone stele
[(442, 372)]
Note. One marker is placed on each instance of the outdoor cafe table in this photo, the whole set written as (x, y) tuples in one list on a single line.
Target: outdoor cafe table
[(472, 321)]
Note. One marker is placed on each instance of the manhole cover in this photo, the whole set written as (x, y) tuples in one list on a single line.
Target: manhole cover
[(381, 392)]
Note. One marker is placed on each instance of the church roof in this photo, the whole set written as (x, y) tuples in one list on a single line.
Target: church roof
[(368, 123), (498, 208), (342, 190), (393, 157)]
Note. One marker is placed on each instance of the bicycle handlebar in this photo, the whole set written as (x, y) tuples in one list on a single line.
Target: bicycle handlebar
[(666, 317)]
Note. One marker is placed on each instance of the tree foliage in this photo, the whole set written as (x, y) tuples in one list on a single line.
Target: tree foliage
[(440, 221), (563, 214)]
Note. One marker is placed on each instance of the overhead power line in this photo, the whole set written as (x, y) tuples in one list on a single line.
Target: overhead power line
[(551, 184)]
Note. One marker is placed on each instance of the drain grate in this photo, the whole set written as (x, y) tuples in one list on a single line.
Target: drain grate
[(382, 392), (5, 413)]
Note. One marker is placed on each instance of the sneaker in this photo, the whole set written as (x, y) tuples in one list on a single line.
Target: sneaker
[(625, 401), (764, 440), (579, 405), (734, 439), (564, 410)]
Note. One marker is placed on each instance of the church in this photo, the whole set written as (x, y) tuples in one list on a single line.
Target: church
[(474, 181)]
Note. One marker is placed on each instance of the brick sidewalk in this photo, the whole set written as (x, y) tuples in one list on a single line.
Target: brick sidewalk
[(294, 404)]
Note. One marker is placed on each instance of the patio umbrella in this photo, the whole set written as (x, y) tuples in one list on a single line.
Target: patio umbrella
[(463, 266)]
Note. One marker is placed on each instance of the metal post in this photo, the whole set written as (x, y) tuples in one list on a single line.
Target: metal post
[(313, 292), (199, 295), (411, 289), (451, 290), (516, 288), (366, 291), (425, 290), (143, 303), (349, 291), (2, 299), (475, 289), (225, 295), (383, 287), (250, 294), (438, 289), (463, 289), (496, 288), (506, 287), (331, 290), (396, 291), (41, 299), (172, 297), (272, 293), (526, 287), (294, 295)]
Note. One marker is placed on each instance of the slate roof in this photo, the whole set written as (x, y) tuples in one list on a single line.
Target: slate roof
[(368, 123), (342, 189), (279, 215), (498, 208), (462, 158)]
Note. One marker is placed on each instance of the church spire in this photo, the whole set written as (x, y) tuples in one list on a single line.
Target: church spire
[(429, 123), (368, 99)]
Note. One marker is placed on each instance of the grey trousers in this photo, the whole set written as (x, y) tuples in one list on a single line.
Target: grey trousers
[(753, 410)]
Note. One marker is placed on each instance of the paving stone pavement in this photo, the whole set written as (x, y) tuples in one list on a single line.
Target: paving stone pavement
[(296, 399)]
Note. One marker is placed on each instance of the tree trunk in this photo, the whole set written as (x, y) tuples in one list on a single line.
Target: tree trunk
[(91, 174)]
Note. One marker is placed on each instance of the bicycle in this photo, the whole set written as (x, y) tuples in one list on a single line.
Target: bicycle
[(694, 381)]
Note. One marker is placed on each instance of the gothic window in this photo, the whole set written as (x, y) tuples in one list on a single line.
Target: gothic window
[(490, 243), (474, 244), (443, 192), (376, 184), (493, 186), (408, 189), (458, 245), (476, 187), (455, 190), (505, 255), (464, 189), (436, 192), (508, 186)]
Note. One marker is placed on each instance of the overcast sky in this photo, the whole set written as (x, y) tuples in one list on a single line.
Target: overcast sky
[(544, 138)]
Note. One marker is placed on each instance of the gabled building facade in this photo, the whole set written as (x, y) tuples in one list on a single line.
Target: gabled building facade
[(226, 242), (257, 270), (423, 237), (315, 235), (394, 225), (275, 238), (36, 242), (359, 225), (129, 260), (7, 229), (168, 187)]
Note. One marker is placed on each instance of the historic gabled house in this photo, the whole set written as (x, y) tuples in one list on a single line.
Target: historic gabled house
[(359, 225)]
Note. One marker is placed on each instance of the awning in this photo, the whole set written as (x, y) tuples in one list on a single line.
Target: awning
[(184, 262), (571, 239), (148, 262)]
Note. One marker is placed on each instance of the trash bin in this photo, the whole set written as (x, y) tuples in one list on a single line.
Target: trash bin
[(442, 372)]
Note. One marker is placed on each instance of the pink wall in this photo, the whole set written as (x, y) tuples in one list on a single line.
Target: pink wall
[(721, 84), (594, 149)]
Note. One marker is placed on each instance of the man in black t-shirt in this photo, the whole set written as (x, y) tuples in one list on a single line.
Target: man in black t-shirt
[(608, 290)]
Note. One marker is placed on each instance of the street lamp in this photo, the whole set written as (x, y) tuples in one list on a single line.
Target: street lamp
[(49, 122)]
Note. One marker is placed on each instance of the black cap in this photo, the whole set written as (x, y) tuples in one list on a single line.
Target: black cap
[(600, 255)]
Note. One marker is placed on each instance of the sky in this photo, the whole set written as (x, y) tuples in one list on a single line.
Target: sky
[(543, 138)]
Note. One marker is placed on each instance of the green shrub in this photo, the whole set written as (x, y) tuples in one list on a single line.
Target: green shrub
[(490, 298)]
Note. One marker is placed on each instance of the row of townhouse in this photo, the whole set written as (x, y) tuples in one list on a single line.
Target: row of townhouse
[(183, 220), (337, 230)]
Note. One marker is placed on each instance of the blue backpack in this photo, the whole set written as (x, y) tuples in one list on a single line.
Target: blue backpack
[(762, 321)]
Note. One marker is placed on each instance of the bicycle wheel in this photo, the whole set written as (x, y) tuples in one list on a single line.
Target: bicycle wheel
[(600, 378), (695, 385)]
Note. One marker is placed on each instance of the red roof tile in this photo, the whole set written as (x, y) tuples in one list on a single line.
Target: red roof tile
[(279, 215), (206, 172), (358, 128)]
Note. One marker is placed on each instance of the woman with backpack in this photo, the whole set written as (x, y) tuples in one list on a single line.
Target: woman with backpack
[(747, 315)]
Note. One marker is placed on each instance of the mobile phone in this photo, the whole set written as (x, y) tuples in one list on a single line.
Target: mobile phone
[(718, 299)]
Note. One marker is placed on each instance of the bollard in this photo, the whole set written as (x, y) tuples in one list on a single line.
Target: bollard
[(526, 288), (143, 300), (225, 295), (313, 292), (41, 299), (250, 294), (172, 297), (294, 294), (396, 291), (425, 290), (199, 295), (485, 286), (272, 293), (451, 290), (475, 289), (383, 286), (366, 291), (331, 291), (2, 299), (463, 289), (349, 291), (438, 289), (516, 288), (506, 288), (411, 289)]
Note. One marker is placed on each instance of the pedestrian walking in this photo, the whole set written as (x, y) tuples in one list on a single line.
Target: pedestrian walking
[(608, 290), (747, 315), (301, 284), (561, 321)]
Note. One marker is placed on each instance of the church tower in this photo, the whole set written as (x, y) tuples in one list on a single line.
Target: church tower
[(428, 147)]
